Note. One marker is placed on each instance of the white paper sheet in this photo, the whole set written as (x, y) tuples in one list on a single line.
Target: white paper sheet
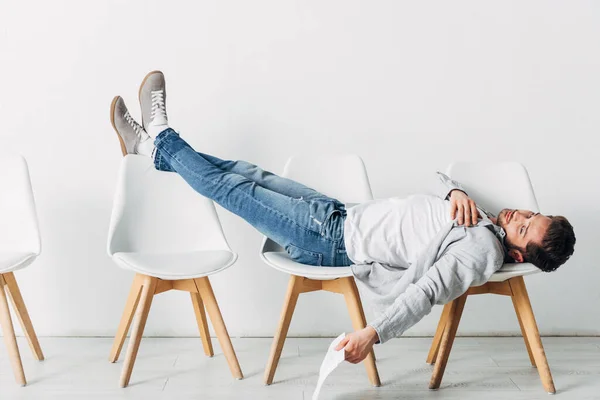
[(330, 362)]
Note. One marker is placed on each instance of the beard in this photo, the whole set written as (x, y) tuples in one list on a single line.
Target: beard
[(501, 219), (508, 245)]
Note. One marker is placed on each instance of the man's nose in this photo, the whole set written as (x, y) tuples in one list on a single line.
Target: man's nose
[(518, 215)]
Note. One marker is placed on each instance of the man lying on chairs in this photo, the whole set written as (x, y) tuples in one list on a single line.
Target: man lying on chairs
[(411, 253)]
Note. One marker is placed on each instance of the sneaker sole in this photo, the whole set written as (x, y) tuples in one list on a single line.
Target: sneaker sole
[(112, 121), (140, 90)]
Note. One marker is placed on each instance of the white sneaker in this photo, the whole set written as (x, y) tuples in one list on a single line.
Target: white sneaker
[(132, 136), (153, 102)]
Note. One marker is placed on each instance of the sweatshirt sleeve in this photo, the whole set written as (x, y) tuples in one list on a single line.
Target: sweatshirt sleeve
[(444, 185), (447, 279)]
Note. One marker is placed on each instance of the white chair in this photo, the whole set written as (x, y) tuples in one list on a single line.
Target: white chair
[(343, 177), (20, 245), (494, 186), (171, 237)]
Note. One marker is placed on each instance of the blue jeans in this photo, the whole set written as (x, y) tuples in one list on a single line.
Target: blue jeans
[(307, 224)]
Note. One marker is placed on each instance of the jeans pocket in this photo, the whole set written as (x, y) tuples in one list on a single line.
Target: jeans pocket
[(303, 256)]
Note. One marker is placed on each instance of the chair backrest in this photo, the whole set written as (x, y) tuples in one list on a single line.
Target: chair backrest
[(341, 176), (19, 229), (495, 186), (158, 212)]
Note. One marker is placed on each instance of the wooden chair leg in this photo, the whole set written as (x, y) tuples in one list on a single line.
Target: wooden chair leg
[(523, 305), (198, 305), (291, 298), (9, 336), (359, 321), (148, 287), (435, 345), (454, 315), (523, 332), (128, 313), (19, 306), (212, 307)]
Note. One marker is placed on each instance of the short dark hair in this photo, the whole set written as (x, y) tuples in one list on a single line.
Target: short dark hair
[(556, 247)]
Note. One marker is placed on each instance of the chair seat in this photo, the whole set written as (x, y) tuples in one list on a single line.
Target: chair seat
[(175, 266), (14, 260), (280, 260), (512, 270)]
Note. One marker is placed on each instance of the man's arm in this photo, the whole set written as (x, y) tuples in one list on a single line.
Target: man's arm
[(464, 265), (461, 205), (447, 279)]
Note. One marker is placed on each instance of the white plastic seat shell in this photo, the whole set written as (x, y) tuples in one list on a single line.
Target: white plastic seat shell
[(511, 270), (20, 241), (161, 227), (181, 265), (13, 261), (281, 261)]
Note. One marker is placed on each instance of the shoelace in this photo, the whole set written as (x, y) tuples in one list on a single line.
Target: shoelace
[(136, 127), (158, 105)]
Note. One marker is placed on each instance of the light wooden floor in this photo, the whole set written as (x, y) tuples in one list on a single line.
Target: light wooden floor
[(479, 368)]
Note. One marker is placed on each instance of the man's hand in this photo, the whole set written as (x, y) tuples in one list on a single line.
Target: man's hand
[(464, 206), (358, 344)]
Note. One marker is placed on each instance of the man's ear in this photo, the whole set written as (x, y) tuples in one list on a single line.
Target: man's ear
[(516, 255)]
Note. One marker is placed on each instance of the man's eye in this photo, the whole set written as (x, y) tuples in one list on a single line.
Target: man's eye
[(523, 227)]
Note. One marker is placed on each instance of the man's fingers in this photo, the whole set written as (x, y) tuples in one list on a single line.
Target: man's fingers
[(342, 344), (460, 215), (467, 214), (474, 212), (358, 359), (351, 359), (349, 349), (453, 210)]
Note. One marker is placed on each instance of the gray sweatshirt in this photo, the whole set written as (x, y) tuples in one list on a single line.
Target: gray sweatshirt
[(458, 257)]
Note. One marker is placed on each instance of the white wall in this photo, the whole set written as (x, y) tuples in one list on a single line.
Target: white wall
[(410, 86)]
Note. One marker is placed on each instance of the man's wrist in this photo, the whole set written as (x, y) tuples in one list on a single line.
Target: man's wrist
[(456, 190), (373, 336)]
